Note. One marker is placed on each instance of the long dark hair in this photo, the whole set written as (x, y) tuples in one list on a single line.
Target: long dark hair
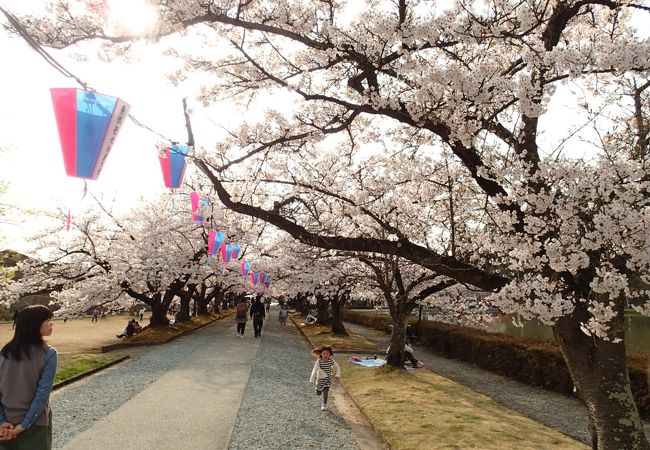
[(28, 332)]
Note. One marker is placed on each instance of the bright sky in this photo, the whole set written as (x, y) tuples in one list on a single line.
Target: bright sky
[(31, 160), (30, 154)]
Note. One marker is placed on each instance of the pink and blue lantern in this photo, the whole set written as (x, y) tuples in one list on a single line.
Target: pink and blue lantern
[(226, 253), (245, 268), (88, 124), (236, 248), (196, 202), (215, 241), (172, 162)]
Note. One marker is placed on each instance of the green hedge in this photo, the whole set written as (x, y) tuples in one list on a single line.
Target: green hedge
[(531, 361)]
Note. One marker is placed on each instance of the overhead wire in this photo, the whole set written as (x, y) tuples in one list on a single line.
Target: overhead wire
[(38, 48)]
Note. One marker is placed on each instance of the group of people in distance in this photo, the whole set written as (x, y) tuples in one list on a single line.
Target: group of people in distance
[(257, 311)]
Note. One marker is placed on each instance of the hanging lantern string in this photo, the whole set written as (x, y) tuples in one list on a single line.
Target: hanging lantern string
[(58, 66), (39, 49)]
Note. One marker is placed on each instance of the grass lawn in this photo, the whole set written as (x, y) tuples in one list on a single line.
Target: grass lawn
[(422, 410), (84, 336), (71, 364), (158, 335), (320, 335)]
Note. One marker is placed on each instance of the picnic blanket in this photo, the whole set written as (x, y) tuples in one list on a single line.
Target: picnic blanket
[(368, 362)]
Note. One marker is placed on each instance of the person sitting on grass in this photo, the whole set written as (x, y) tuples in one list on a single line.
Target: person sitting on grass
[(410, 335), (311, 319), (408, 354), (131, 329)]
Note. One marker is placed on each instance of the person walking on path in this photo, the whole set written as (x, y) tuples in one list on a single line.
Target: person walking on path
[(267, 304), (27, 369), (283, 315), (95, 314), (325, 368), (258, 315), (141, 314), (14, 319), (241, 316)]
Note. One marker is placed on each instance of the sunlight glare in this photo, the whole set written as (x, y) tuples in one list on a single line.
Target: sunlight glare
[(133, 17)]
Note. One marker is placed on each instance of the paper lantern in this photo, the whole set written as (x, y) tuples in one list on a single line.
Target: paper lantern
[(227, 252), (245, 268), (236, 248), (88, 124), (172, 163), (196, 202), (215, 241)]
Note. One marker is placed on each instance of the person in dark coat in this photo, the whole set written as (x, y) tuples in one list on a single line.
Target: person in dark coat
[(258, 314)]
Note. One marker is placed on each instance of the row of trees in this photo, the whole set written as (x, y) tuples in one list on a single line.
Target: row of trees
[(408, 138), (153, 255)]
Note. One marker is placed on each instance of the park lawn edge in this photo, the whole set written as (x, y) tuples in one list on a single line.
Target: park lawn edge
[(318, 335), (403, 410), (162, 335), (74, 376)]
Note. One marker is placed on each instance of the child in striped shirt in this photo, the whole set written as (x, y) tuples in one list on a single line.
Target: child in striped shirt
[(324, 369)]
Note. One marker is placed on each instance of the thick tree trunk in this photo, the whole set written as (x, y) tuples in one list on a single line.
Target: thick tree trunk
[(599, 372), (218, 300), (302, 303), (395, 357), (337, 321), (201, 300), (322, 306), (202, 307), (158, 313), (184, 309)]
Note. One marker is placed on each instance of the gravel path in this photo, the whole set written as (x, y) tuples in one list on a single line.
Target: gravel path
[(280, 409), (565, 414), (78, 406)]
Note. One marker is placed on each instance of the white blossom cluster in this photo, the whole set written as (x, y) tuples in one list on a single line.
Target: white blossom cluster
[(423, 127)]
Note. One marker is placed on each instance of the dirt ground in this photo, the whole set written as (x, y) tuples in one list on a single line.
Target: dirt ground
[(80, 335)]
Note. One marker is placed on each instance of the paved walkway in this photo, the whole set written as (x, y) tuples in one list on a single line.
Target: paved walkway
[(206, 390), (193, 402), (565, 414)]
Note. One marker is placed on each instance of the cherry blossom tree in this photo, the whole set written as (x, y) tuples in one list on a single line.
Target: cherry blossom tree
[(152, 254), (555, 238), (403, 286)]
